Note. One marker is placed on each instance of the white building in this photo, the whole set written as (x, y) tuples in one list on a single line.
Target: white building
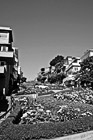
[(87, 54), (74, 66)]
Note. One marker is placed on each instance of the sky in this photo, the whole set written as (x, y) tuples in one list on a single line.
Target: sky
[(43, 29)]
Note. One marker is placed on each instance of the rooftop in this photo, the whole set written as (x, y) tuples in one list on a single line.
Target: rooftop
[(88, 50), (5, 28)]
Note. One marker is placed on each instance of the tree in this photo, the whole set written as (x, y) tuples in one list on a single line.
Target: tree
[(42, 70), (52, 79), (86, 72), (56, 60), (56, 78), (41, 78), (23, 79), (60, 77)]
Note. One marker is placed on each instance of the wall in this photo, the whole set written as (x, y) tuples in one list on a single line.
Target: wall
[(7, 77), (91, 53), (2, 84)]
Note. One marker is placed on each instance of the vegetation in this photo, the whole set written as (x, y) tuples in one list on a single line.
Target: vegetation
[(86, 72), (42, 70), (23, 79), (9, 131), (56, 60), (41, 78), (85, 75), (55, 77)]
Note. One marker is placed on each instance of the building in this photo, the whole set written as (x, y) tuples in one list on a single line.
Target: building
[(9, 61), (87, 54), (74, 66), (68, 60), (16, 63)]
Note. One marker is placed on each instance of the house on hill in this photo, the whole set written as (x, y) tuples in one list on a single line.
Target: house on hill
[(74, 66), (87, 54)]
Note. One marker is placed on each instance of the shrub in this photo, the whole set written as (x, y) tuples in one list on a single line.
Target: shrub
[(10, 131)]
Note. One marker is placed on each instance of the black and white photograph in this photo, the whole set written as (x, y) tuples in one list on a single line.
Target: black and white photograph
[(46, 69)]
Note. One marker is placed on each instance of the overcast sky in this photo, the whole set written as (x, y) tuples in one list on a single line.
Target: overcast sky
[(43, 29)]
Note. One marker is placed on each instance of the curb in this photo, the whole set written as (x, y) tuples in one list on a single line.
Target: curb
[(81, 136)]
